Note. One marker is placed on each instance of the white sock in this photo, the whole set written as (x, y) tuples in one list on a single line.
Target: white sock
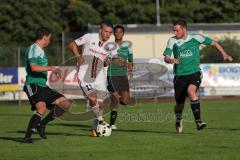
[(114, 109), (95, 124), (100, 114), (97, 112), (88, 107)]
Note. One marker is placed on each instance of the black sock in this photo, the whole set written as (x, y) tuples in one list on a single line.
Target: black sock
[(48, 118), (58, 111), (122, 102), (33, 124), (195, 105), (178, 116), (113, 117), (178, 113)]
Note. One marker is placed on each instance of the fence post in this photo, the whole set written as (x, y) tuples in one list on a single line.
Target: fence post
[(19, 64), (63, 47)]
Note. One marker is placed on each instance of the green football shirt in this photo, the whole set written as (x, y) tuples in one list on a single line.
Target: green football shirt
[(35, 54), (187, 52), (126, 54)]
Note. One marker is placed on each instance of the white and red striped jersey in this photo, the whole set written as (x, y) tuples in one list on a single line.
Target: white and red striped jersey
[(92, 45)]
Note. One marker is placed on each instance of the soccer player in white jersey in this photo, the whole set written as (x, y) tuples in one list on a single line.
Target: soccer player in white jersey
[(91, 72), (186, 60)]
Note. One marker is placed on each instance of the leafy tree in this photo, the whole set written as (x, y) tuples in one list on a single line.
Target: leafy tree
[(200, 11), (20, 19), (126, 11), (79, 14)]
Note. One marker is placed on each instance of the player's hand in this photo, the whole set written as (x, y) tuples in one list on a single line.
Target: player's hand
[(120, 62), (130, 75), (80, 60), (106, 63), (226, 57), (174, 61), (57, 72)]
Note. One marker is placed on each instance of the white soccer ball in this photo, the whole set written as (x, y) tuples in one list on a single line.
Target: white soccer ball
[(104, 130)]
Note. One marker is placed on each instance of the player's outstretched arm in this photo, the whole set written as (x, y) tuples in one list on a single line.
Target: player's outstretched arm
[(130, 69), (37, 68), (226, 57), (75, 51), (130, 66), (170, 60)]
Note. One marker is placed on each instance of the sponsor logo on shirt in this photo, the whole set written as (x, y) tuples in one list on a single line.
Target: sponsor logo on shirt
[(186, 53), (95, 51)]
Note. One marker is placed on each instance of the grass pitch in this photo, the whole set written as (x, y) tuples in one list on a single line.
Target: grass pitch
[(146, 131)]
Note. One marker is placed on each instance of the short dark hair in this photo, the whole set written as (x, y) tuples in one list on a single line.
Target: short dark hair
[(106, 24), (119, 26), (180, 22), (42, 31)]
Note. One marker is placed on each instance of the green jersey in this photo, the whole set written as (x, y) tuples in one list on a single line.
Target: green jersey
[(126, 54), (35, 54), (187, 52)]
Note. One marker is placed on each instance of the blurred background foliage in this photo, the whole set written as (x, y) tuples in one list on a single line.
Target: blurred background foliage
[(19, 19)]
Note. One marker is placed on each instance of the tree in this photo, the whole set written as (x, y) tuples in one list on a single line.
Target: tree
[(200, 11), (126, 11), (20, 19), (79, 14)]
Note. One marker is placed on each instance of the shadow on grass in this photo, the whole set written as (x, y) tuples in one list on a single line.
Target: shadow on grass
[(72, 125), (14, 139), (224, 129), (87, 127), (14, 114), (148, 131), (57, 134)]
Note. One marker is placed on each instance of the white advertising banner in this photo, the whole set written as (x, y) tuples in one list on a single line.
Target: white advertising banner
[(149, 81), (221, 75), (218, 79), (221, 79)]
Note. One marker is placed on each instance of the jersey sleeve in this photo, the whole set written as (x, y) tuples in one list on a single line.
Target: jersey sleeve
[(169, 48), (34, 56), (130, 54), (82, 40), (203, 39)]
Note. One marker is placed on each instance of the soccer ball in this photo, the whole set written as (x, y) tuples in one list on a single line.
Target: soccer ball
[(104, 130)]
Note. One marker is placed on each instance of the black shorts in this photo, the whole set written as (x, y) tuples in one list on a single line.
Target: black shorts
[(37, 93), (117, 83), (181, 84)]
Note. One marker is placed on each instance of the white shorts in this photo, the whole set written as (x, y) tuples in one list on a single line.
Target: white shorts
[(89, 84)]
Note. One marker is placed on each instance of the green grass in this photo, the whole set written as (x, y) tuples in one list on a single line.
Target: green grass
[(146, 131)]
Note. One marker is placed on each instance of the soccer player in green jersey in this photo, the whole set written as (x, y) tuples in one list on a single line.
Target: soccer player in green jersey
[(186, 60), (40, 96), (120, 65)]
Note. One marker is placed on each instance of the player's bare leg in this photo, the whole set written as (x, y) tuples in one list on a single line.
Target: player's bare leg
[(97, 108), (195, 105), (61, 105), (114, 104), (124, 99)]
